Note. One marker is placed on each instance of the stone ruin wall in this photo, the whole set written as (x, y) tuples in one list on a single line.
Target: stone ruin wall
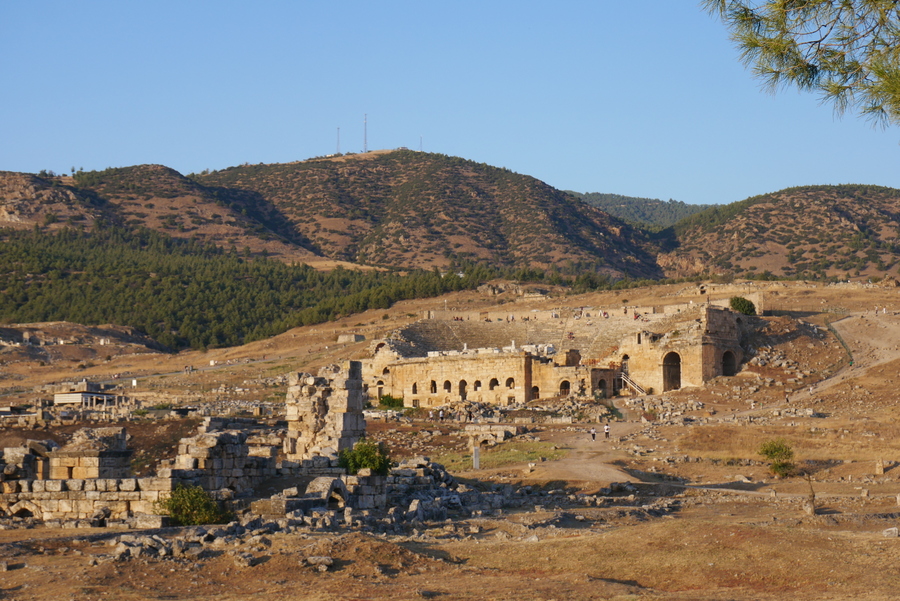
[(88, 482), (324, 413)]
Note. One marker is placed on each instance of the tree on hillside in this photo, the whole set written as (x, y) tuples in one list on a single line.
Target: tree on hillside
[(848, 50)]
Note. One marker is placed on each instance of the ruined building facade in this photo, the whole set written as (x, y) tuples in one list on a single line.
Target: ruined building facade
[(639, 350)]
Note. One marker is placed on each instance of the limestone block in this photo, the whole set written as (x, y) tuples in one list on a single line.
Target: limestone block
[(74, 485), (89, 462), (128, 484), (130, 496), (150, 496), (9, 486), (54, 485), (92, 495), (159, 484), (38, 485), (90, 485), (65, 506), (58, 473), (82, 473)]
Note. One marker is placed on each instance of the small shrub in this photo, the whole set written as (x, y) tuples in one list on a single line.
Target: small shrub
[(393, 402), (742, 305), (366, 455), (191, 506), (779, 452)]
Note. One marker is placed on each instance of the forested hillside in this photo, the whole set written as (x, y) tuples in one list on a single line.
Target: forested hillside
[(186, 293), (813, 232), (646, 212)]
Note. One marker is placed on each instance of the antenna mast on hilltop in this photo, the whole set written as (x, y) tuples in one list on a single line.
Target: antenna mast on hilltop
[(420, 143), (339, 141), (365, 132)]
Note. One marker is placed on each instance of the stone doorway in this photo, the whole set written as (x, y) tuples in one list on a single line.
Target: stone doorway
[(671, 372), (729, 364)]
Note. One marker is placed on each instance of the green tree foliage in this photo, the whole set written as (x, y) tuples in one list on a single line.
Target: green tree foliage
[(780, 453), (393, 402), (366, 455), (742, 305), (191, 506), (641, 211), (847, 50), (186, 293)]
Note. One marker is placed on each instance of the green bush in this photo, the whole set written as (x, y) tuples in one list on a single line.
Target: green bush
[(779, 452), (393, 402), (191, 506), (742, 305), (366, 455)]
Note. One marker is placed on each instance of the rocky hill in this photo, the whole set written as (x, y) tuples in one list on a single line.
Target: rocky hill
[(412, 209), (404, 209), (399, 209), (847, 231)]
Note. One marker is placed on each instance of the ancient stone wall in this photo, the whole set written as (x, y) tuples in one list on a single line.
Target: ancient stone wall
[(499, 378), (324, 412)]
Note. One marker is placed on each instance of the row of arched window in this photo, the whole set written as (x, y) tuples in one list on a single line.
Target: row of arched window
[(463, 386)]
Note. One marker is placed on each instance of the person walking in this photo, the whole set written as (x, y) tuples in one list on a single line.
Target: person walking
[(606, 430), (594, 434)]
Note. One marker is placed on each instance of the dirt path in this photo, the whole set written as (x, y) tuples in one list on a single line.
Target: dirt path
[(587, 463)]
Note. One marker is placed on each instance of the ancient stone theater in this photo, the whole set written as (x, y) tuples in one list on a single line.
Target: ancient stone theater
[(506, 358)]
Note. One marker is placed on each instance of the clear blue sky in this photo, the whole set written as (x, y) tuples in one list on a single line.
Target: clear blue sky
[(637, 98)]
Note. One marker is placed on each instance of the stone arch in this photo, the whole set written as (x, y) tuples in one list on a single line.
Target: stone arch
[(729, 364), (601, 386), (462, 389), (671, 368), (385, 371), (447, 386), (331, 491), (380, 388), (433, 387), (535, 392), (510, 383), (565, 388), (494, 383), (415, 388), (25, 509), (625, 364), (476, 385), (379, 346)]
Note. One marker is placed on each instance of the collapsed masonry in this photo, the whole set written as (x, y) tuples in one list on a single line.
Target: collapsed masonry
[(88, 482), (324, 413)]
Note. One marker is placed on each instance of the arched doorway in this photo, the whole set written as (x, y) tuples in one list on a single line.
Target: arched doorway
[(564, 388), (671, 372), (601, 386), (535, 393), (462, 390), (510, 383), (729, 364), (380, 386), (625, 364)]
